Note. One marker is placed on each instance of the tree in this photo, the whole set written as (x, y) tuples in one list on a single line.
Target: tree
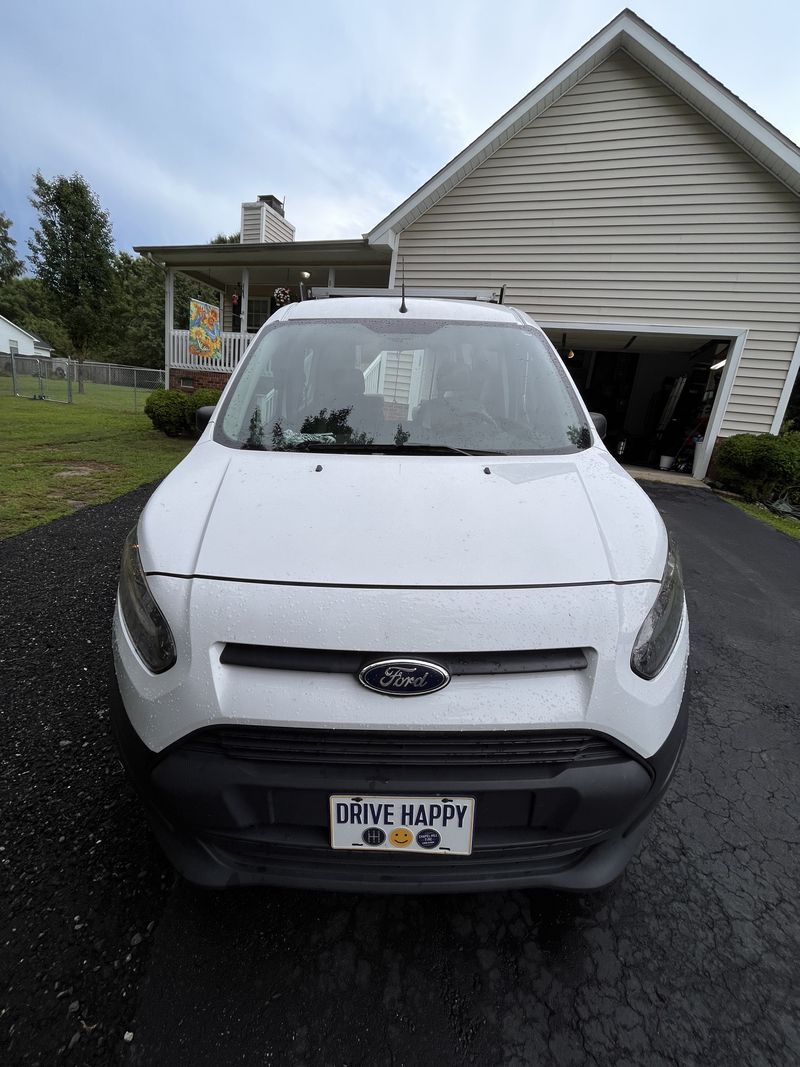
[(230, 239), (85, 298), (25, 302), (134, 332), (136, 326), (187, 289), (72, 252), (10, 266)]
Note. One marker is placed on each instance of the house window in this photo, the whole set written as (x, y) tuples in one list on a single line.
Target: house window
[(257, 314)]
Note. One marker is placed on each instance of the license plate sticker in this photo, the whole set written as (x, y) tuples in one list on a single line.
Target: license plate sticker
[(430, 825)]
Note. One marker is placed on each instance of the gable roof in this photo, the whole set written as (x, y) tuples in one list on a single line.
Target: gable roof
[(27, 333), (39, 342), (761, 140)]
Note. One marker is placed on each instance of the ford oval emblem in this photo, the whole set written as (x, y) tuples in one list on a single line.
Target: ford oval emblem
[(404, 677)]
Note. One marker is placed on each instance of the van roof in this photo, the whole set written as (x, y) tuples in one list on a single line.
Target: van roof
[(388, 307)]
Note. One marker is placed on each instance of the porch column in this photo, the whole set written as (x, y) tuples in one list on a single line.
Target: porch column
[(169, 304), (245, 295), (331, 277)]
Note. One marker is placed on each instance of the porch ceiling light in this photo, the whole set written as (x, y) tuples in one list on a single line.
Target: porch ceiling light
[(720, 365), (305, 273)]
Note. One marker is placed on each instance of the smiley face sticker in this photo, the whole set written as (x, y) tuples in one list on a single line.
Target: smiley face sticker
[(401, 837)]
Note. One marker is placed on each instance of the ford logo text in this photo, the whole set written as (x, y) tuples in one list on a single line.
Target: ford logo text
[(404, 677)]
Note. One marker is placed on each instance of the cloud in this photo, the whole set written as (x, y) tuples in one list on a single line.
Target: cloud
[(175, 113)]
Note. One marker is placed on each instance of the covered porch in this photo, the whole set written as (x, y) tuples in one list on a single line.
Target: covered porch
[(245, 277)]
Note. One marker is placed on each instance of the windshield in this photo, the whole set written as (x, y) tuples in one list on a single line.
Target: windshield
[(382, 386)]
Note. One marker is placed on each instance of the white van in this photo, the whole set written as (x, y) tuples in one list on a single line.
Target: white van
[(399, 622)]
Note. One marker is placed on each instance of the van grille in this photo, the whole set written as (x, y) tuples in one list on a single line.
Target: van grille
[(405, 748), (382, 871), (338, 661)]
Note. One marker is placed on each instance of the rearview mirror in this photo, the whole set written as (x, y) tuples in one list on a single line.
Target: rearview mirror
[(600, 422), (201, 417)]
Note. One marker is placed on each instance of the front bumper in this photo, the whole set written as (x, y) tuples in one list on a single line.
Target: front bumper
[(242, 805)]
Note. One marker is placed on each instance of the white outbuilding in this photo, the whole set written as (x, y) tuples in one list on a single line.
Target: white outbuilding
[(14, 341)]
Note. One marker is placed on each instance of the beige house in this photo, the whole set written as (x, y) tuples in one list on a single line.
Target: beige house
[(643, 214)]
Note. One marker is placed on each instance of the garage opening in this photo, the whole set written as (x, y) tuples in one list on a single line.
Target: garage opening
[(656, 390)]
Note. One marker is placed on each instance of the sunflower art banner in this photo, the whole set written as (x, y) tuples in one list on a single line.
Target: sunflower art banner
[(205, 339)]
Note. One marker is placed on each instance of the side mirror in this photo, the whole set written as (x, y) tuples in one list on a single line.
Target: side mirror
[(600, 422), (201, 417)]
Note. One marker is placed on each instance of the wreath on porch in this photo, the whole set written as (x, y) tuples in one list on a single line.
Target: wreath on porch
[(281, 296)]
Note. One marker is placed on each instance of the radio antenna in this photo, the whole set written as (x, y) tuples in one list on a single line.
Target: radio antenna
[(403, 308)]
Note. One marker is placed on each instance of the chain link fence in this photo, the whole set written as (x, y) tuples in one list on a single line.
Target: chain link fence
[(105, 386)]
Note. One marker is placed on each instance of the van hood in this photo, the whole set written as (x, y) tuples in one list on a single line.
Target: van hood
[(411, 521)]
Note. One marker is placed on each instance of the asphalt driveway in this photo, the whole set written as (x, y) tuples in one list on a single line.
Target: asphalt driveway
[(693, 959)]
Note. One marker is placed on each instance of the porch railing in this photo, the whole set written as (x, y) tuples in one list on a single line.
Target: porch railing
[(234, 346), (374, 375)]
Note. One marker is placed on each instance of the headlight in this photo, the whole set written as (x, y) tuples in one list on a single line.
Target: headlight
[(148, 628), (656, 639)]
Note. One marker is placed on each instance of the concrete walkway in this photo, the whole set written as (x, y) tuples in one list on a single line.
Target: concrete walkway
[(647, 474)]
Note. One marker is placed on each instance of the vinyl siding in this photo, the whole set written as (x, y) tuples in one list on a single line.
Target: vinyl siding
[(397, 377), (10, 332), (620, 203), (261, 224), (276, 228), (251, 224)]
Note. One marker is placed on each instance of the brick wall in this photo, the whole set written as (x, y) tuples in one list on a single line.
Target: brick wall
[(395, 412), (189, 380)]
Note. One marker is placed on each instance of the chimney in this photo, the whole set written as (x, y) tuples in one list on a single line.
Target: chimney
[(263, 221), (273, 202)]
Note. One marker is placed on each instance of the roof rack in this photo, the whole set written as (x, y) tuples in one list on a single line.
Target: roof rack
[(486, 296)]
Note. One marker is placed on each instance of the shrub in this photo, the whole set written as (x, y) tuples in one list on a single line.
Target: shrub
[(167, 410), (201, 398), (759, 466), (173, 412)]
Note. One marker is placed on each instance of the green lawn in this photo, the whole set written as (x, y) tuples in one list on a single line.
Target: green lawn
[(100, 397), (110, 397), (785, 524), (55, 458)]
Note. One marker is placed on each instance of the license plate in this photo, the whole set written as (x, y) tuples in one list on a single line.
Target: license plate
[(432, 825)]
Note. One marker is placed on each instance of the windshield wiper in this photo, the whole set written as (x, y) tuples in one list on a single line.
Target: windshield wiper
[(382, 449), (434, 450)]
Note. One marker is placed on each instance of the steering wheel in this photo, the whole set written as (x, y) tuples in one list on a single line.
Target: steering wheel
[(462, 412), (481, 416)]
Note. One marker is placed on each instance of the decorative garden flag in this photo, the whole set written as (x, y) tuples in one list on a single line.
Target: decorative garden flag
[(205, 339)]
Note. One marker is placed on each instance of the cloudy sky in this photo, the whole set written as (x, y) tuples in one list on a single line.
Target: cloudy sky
[(176, 111)]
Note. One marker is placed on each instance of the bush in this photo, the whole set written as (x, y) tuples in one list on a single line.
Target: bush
[(759, 466), (167, 410), (201, 398), (173, 412)]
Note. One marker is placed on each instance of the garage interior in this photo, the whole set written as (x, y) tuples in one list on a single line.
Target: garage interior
[(656, 390)]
